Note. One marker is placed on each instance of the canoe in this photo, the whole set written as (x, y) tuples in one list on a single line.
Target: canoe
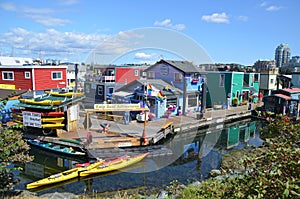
[(117, 165), (53, 119), (42, 102), (64, 94), (56, 148), (63, 176), (53, 126)]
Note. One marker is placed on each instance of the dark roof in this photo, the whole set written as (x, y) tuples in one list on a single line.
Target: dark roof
[(283, 96), (184, 66), (157, 83), (4, 93)]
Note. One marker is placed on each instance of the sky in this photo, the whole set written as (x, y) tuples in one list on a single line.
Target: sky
[(132, 31)]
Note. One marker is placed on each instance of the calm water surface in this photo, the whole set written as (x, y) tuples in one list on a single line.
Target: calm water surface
[(195, 154)]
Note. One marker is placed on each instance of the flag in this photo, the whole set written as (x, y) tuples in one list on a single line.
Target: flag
[(151, 90), (159, 96), (168, 89)]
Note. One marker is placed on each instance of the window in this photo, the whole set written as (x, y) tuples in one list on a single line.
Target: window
[(256, 76), (151, 75), (56, 75), (7, 75), (27, 75), (272, 81), (110, 90), (178, 77), (136, 72), (222, 80)]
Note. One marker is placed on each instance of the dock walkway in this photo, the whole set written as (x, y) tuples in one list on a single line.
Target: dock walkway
[(132, 134)]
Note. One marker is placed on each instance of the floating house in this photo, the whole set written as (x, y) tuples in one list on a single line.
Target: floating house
[(103, 80), (33, 77), (182, 75), (230, 88), (283, 101), (160, 97)]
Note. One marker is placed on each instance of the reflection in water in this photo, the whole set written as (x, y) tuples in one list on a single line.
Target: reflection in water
[(195, 154)]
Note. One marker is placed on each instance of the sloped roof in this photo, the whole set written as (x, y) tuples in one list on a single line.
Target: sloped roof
[(15, 61), (184, 66), (283, 96), (4, 93), (157, 83)]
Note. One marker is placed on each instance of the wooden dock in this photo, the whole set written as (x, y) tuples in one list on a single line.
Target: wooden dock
[(139, 136)]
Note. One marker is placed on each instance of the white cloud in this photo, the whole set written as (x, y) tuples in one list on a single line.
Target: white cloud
[(242, 18), (167, 23), (69, 2), (50, 42), (216, 18), (48, 20), (144, 56), (8, 6), (273, 8), (39, 15), (263, 4)]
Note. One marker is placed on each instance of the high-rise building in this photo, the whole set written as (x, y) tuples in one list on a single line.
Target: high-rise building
[(282, 54)]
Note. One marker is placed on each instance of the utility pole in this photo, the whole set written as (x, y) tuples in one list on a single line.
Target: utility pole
[(76, 79), (184, 96)]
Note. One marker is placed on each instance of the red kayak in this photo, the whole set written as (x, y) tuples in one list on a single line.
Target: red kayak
[(107, 161)]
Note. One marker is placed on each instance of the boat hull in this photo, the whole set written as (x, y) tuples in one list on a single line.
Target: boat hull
[(118, 165), (63, 176)]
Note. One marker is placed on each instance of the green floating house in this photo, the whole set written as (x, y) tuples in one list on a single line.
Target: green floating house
[(230, 88)]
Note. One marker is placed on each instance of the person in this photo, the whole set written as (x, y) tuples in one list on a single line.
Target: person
[(105, 127), (260, 96)]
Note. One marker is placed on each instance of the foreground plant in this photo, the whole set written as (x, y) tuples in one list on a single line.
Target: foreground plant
[(13, 150), (274, 173)]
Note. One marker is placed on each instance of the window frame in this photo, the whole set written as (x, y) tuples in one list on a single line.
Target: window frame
[(6, 72), (27, 73), (57, 72), (179, 78), (136, 73), (222, 80)]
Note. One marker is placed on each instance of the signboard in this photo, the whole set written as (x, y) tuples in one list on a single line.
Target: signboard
[(8, 86), (117, 106), (32, 119), (74, 112)]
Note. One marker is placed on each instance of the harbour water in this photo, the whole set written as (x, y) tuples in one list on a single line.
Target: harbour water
[(195, 154)]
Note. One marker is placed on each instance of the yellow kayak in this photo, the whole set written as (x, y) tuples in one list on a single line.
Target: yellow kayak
[(43, 102), (53, 119), (63, 176), (64, 94), (115, 166), (52, 126)]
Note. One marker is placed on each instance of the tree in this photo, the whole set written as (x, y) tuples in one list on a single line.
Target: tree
[(13, 150)]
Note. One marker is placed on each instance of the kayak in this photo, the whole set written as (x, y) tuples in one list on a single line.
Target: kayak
[(53, 119), (52, 114), (63, 176), (115, 166), (42, 102), (53, 126), (107, 161), (56, 148), (64, 94)]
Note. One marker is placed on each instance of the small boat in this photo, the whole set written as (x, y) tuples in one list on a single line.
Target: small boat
[(115, 166), (53, 126), (52, 114), (53, 119), (64, 94), (42, 102), (107, 161), (56, 147), (63, 176)]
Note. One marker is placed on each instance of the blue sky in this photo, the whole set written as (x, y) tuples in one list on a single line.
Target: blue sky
[(232, 31)]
